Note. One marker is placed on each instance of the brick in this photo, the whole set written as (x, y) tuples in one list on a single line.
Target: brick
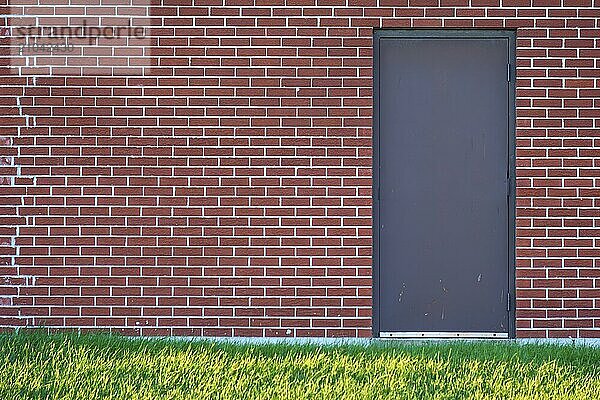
[(230, 187)]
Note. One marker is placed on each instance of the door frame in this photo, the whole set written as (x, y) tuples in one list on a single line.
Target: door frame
[(509, 35)]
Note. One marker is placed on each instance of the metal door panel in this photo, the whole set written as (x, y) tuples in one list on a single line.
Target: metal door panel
[(443, 175)]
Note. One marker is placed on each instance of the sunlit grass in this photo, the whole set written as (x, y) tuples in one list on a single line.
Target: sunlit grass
[(38, 366)]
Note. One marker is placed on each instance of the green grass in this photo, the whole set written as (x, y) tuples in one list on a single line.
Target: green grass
[(38, 366)]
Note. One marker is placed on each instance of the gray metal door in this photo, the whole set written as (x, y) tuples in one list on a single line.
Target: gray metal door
[(442, 182)]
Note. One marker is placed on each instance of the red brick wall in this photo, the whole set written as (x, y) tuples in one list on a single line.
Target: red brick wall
[(226, 188)]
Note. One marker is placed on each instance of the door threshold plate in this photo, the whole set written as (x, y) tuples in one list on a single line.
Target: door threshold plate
[(445, 335)]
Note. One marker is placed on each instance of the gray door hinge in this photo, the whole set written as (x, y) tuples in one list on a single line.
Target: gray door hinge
[(507, 72), (508, 301)]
